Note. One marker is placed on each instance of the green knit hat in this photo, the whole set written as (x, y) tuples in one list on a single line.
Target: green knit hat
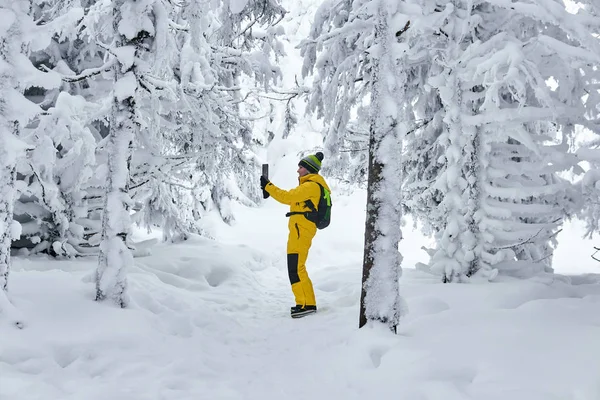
[(312, 162)]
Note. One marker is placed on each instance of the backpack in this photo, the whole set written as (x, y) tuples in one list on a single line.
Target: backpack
[(322, 215)]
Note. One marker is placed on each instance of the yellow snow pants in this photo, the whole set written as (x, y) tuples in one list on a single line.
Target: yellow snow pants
[(299, 241)]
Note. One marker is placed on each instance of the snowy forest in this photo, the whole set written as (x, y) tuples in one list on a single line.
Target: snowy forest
[(140, 260), (476, 119)]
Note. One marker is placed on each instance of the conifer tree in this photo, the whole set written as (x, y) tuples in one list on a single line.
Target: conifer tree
[(134, 31), (482, 173), (357, 50), (17, 74)]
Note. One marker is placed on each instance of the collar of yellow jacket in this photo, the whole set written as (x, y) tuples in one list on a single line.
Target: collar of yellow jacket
[(306, 177)]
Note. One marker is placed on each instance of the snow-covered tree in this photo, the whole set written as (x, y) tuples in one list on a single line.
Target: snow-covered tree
[(62, 165), (201, 155), (248, 48), (248, 36), (53, 206), (10, 126), (357, 50), (134, 33), (208, 144), (17, 74), (495, 135), (177, 110), (344, 63), (195, 151), (380, 298), (590, 152)]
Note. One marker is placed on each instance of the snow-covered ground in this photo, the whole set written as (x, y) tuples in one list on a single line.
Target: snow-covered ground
[(210, 320)]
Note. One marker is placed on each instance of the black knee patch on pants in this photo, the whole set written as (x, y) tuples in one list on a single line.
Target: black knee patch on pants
[(292, 261)]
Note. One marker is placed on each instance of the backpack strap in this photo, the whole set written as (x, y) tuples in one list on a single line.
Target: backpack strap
[(289, 214), (308, 204)]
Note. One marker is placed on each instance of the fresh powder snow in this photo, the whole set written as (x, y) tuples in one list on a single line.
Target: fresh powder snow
[(209, 319)]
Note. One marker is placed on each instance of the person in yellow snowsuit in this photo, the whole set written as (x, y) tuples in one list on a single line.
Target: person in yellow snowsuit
[(301, 230)]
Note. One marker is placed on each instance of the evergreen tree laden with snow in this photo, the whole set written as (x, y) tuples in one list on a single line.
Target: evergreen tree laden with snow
[(212, 143), (248, 49), (201, 151), (380, 297), (195, 151), (356, 48), (17, 74), (488, 186), (248, 36), (54, 206), (134, 31), (335, 54), (10, 145), (589, 151)]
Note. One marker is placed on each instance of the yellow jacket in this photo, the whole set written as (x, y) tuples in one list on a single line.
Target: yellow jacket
[(296, 198)]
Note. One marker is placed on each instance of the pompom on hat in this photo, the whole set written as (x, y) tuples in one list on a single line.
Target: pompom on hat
[(312, 162)]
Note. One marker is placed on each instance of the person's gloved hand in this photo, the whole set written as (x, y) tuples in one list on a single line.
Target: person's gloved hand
[(263, 183)]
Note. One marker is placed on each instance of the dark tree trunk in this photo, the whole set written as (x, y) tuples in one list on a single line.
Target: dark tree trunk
[(373, 207)]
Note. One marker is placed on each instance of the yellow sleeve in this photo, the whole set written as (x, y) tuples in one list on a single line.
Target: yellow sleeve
[(296, 195)]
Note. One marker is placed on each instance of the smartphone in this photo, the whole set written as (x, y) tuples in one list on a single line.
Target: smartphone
[(265, 173)]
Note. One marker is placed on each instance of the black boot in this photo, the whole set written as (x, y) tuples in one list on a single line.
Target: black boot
[(299, 311)]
